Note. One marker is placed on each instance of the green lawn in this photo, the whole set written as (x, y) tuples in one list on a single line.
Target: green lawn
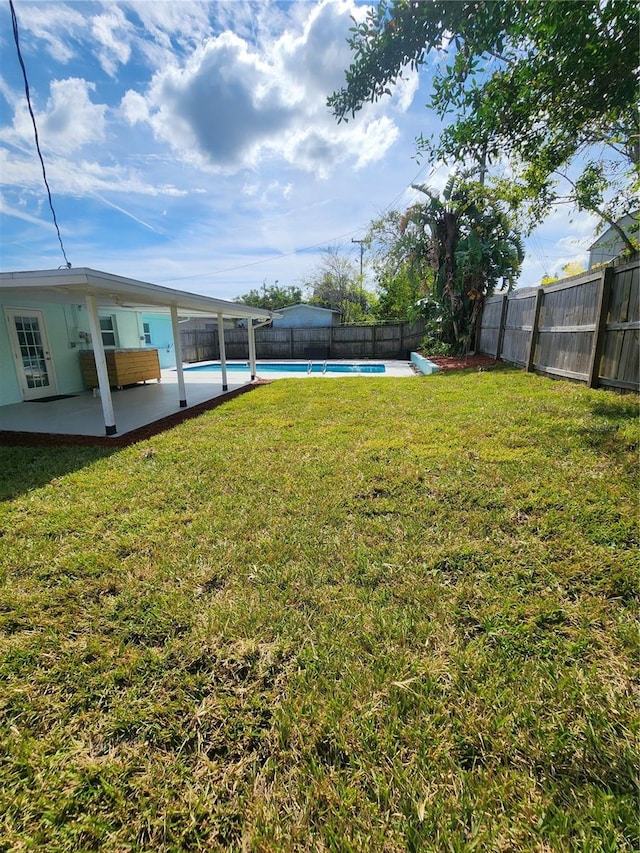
[(330, 615)]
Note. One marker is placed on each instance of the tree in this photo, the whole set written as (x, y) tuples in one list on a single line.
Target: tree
[(336, 284), (272, 297), (541, 84), (402, 274), (569, 269), (572, 268), (468, 239)]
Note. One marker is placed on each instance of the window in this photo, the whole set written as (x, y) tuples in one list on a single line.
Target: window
[(146, 328), (109, 332)]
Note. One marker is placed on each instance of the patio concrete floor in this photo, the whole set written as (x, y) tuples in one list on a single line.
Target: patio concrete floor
[(134, 407), (138, 406)]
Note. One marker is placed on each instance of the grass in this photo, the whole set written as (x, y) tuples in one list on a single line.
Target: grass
[(390, 615)]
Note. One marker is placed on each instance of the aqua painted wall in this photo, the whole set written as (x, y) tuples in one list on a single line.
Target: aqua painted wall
[(58, 321), (161, 338), (9, 389), (65, 326)]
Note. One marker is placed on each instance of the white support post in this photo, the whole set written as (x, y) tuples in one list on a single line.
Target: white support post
[(101, 366), (223, 355), (182, 394), (252, 348)]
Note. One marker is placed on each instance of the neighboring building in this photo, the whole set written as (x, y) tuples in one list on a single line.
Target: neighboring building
[(609, 244), (204, 324), (306, 317)]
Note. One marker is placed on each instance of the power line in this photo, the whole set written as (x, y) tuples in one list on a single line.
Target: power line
[(265, 260), (306, 248), (16, 38), (296, 251), (412, 182)]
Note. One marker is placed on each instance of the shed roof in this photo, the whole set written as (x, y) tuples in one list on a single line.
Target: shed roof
[(308, 306), (109, 290)]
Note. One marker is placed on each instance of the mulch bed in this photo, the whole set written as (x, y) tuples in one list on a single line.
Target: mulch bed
[(454, 362)]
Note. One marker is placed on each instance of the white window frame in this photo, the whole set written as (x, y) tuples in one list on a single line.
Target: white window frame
[(109, 333)]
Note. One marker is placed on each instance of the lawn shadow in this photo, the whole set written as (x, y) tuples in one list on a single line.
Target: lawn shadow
[(613, 429), (27, 468), (619, 408), (29, 460)]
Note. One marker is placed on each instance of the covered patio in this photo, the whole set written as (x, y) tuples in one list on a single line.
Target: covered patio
[(106, 411), (138, 409)]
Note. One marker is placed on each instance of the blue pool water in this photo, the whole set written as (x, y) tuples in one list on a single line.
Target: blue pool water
[(293, 367)]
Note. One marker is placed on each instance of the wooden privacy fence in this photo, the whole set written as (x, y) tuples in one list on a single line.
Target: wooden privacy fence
[(586, 328), (392, 341)]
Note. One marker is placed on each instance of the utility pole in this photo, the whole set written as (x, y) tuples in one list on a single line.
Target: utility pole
[(361, 252), (361, 242)]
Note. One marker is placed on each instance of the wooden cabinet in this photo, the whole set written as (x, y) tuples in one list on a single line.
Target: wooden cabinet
[(125, 367)]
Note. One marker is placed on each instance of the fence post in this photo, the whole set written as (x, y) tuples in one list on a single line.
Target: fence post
[(534, 329), (503, 322), (601, 326)]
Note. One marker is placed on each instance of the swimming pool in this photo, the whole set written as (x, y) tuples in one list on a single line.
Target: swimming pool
[(305, 367)]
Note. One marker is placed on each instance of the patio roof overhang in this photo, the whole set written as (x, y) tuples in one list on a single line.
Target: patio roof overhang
[(69, 285)]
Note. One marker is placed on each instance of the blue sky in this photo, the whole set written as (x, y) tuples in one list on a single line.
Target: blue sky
[(189, 144)]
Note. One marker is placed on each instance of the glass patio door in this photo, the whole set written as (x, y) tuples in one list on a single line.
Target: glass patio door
[(31, 352)]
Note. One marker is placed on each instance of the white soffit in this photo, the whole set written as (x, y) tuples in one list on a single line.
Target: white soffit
[(72, 285)]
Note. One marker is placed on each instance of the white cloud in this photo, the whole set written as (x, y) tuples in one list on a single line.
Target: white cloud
[(80, 177), (134, 107), (373, 139), (231, 105), (564, 237), (224, 105), (314, 60), (67, 29), (405, 90), (15, 212), (112, 32), (69, 121), (56, 24), (273, 193), (164, 23), (214, 159)]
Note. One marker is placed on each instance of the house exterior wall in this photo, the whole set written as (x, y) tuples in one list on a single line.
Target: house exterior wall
[(58, 321), (9, 390), (606, 249), (305, 317), (65, 326), (609, 245), (161, 338)]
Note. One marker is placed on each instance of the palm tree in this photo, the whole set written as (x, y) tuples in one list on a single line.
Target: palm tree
[(472, 246)]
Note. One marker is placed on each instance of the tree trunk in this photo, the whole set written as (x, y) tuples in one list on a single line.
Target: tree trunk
[(449, 238)]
